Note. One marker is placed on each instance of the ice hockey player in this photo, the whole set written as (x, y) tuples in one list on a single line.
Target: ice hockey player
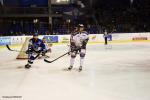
[(78, 44), (35, 48)]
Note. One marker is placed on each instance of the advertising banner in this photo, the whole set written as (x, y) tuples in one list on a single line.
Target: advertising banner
[(51, 39), (5, 40), (64, 38)]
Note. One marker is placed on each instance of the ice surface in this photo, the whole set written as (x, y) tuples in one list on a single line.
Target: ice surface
[(116, 72)]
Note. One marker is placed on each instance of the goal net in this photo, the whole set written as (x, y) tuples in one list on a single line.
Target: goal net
[(23, 55)]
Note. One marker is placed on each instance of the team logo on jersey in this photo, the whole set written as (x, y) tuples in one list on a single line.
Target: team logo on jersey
[(35, 47)]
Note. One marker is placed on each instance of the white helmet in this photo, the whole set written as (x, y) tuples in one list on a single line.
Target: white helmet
[(80, 25)]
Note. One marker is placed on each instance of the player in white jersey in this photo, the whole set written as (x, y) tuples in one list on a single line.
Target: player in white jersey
[(78, 43), (74, 32)]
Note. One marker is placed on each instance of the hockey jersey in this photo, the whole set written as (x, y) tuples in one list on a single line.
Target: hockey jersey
[(36, 45), (80, 39)]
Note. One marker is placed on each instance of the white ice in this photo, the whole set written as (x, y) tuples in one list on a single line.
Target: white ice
[(116, 72)]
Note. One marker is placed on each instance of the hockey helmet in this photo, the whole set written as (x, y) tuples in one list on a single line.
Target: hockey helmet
[(35, 34), (80, 25)]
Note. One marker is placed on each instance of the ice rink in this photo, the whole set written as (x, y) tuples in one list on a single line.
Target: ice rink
[(116, 72)]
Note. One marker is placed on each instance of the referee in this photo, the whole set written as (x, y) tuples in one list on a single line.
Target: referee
[(105, 37)]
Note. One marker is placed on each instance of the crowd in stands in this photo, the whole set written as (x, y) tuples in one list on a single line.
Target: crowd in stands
[(122, 16), (18, 30)]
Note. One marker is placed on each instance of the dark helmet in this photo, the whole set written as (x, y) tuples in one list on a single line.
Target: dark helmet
[(35, 34)]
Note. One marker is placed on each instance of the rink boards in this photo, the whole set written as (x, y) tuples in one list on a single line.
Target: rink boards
[(93, 38)]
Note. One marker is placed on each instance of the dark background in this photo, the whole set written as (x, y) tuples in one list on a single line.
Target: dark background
[(23, 17)]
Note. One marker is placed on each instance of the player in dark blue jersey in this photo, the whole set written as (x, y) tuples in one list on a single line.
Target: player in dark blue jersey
[(35, 48)]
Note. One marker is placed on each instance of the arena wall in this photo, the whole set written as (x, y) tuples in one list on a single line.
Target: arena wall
[(93, 38)]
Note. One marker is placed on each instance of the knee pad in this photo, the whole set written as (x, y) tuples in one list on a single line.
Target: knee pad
[(32, 58), (73, 55), (82, 53)]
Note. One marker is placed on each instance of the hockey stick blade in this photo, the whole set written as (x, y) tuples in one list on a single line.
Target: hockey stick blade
[(56, 58), (8, 47), (48, 61), (12, 49)]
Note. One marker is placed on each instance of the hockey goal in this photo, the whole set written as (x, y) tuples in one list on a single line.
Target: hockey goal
[(23, 55)]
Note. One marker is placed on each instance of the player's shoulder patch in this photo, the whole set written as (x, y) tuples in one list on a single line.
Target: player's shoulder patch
[(85, 32), (74, 33), (40, 41)]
